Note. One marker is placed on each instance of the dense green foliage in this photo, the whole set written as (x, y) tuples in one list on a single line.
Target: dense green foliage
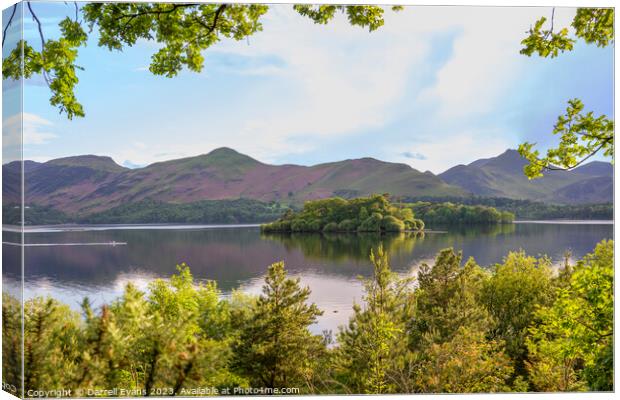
[(453, 328), (450, 213), (528, 209), (364, 214), (181, 31), (155, 212), (581, 134), (371, 346), (269, 353), (516, 289), (572, 346)]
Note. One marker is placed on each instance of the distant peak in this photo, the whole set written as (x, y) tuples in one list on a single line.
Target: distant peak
[(511, 152), (85, 157), (88, 160), (229, 155), (224, 151)]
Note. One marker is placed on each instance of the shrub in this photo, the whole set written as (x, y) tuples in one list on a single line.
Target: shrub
[(299, 226), (314, 226), (347, 225), (331, 227), (372, 223), (392, 224), (411, 224), (285, 226)]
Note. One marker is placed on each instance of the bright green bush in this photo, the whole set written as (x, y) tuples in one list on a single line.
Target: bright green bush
[(392, 224), (411, 225)]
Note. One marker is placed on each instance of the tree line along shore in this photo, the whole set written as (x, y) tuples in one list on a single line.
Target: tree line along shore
[(431, 210)]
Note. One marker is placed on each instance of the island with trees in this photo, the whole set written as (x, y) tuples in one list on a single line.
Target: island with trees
[(364, 214), (377, 214)]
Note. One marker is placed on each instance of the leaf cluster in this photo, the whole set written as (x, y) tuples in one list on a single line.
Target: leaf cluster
[(592, 25), (183, 32), (581, 136)]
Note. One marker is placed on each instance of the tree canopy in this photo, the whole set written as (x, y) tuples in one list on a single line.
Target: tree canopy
[(454, 327), (582, 134), (182, 30)]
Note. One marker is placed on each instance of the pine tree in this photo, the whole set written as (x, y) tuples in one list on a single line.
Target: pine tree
[(446, 300), (374, 340), (275, 348), (448, 332)]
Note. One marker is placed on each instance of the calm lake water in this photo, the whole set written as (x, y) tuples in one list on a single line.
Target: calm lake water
[(237, 257)]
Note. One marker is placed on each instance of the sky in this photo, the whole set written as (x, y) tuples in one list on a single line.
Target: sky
[(433, 88)]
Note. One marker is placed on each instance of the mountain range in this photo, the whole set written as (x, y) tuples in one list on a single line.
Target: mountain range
[(502, 176), (89, 184)]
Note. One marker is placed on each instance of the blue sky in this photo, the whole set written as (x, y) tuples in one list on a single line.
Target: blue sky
[(434, 87)]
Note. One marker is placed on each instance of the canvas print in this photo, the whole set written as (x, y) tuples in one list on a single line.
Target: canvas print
[(299, 199)]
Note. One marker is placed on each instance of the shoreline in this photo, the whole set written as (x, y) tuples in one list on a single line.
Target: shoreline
[(185, 226), (567, 221), (107, 227)]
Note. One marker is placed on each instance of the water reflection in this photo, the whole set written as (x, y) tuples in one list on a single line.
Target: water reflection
[(238, 257), (342, 247)]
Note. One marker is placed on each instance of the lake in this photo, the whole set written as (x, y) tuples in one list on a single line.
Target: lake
[(237, 257)]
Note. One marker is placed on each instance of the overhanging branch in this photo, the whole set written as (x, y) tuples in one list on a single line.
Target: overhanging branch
[(569, 168), (8, 24)]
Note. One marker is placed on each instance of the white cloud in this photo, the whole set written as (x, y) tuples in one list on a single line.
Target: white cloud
[(460, 147), (486, 59), (346, 80), (36, 130), (343, 78)]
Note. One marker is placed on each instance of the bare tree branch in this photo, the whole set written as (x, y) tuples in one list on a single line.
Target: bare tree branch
[(8, 24), (34, 16), (211, 28)]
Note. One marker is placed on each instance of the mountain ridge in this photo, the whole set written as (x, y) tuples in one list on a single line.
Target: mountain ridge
[(502, 176), (88, 183)]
